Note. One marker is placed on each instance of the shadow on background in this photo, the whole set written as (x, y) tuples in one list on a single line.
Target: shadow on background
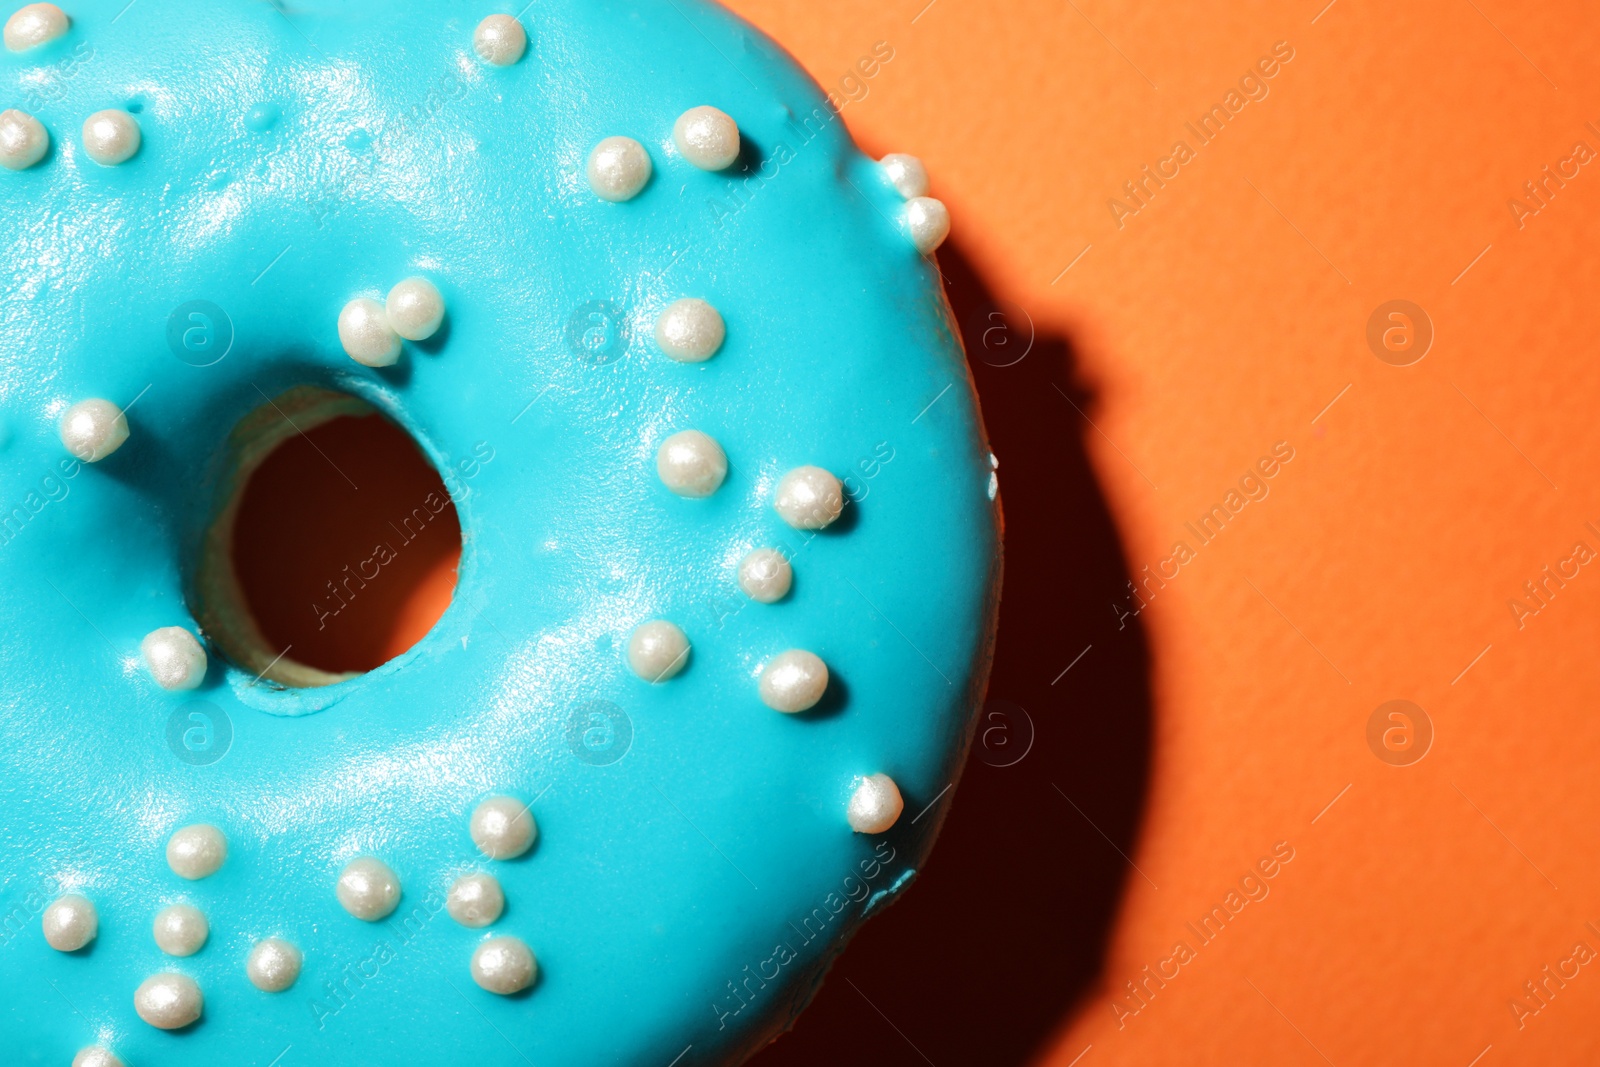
[(1005, 929)]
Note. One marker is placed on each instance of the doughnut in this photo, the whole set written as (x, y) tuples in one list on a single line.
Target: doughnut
[(678, 354)]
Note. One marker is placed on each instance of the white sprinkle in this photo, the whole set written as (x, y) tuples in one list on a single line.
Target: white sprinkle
[(96, 1056), (691, 464), (368, 889), (765, 575), (875, 805), (618, 168), (196, 852), (111, 137), (168, 1001), (809, 498), (70, 922), (365, 332), (33, 25), (180, 930), (657, 651), (415, 309), (273, 965), (793, 681), (928, 222), (93, 429), (500, 40), (906, 174), (23, 140), (690, 330), (175, 658), (475, 900), (503, 828), (504, 965), (706, 137)]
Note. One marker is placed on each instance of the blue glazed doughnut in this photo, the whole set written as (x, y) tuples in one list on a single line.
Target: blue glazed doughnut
[(635, 790)]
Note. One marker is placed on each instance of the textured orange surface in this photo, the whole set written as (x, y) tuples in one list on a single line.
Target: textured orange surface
[(1224, 727)]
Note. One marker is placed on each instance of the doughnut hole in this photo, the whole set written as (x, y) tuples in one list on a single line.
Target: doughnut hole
[(338, 548)]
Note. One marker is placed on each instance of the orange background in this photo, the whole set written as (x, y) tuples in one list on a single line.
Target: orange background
[(1222, 318)]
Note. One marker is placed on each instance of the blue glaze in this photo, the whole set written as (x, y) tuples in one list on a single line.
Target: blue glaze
[(263, 117), (714, 856)]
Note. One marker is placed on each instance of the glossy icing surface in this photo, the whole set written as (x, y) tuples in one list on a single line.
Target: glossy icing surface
[(695, 869)]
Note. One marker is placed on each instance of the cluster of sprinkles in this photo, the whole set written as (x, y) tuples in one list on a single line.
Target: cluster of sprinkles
[(693, 464), (689, 463), (371, 332), (501, 827), (109, 137), (927, 220), (168, 1000)]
